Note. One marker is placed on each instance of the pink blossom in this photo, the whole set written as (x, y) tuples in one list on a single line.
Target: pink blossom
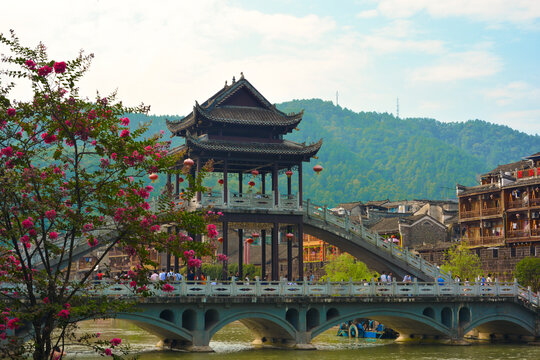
[(31, 65), (32, 232), (124, 133), (98, 334), (108, 352), (124, 121), (28, 223), (116, 341), (13, 324), (114, 156), (196, 263), (92, 242), (3, 336), (168, 288), (59, 67), (7, 151), (222, 257), (94, 142), (53, 235), (63, 314), (212, 232), (45, 300), (121, 192), (48, 138), (44, 70), (92, 114), (104, 162), (11, 112), (88, 227), (133, 284)]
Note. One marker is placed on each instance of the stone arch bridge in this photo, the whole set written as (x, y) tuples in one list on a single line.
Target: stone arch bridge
[(282, 314)]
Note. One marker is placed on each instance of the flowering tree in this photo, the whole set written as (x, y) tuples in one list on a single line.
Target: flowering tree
[(70, 170)]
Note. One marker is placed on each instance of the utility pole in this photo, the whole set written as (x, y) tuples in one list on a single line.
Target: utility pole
[(337, 97), (397, 108)]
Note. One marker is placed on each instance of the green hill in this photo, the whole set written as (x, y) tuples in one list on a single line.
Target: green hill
[(370, 155)]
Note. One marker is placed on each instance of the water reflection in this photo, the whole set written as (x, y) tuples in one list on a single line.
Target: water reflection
[(234, 342)]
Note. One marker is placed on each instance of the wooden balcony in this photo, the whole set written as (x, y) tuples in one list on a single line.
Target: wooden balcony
[(535, 232), (517, 204), (469, 214), (491, 211), (518, 233), (484, 240), (534, 202)]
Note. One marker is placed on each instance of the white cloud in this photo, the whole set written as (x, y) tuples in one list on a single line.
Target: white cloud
[(516, 11), (524, 120), (514, 92), (367, 14), (459, 66)]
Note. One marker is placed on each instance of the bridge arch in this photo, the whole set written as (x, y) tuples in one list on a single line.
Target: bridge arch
[(162, 328), (501, 324), (262, 324), (402, 321)]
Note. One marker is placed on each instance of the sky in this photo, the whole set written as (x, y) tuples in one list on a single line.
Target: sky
[(451, 60)]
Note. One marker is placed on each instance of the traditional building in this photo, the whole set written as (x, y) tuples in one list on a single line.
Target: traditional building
[(243, 134), (500, 218)]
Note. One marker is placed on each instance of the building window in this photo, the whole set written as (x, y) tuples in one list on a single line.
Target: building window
[(512, 252), (478, 252), (533, 250), (495, 253)]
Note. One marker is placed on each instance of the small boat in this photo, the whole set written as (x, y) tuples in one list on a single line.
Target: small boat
[(365, 328)]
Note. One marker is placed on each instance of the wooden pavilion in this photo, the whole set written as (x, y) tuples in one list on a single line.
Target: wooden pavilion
[(242, 133)]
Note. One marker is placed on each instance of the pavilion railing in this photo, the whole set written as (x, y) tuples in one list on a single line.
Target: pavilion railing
[(366, 288), (413, 260), (250, 200)]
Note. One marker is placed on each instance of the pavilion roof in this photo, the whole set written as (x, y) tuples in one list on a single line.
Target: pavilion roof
[(221, 109), (287, 148)]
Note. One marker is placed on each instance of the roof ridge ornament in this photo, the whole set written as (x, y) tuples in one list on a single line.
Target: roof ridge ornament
[(241, 75), (233, 79), (225, 84)]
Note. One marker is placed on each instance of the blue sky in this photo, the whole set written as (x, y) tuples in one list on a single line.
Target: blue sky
[(449, 60)]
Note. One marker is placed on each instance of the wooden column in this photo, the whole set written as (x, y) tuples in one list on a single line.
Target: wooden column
[(300, 199), (169, 181), (240, 179), (301, 250), (263, 182), (225, 249), (275, 252), (263, 254), (176, 261), (241, 254), (289, 184), (289, 255), (197, 171), (177, 185), (225, 187), (275, 183)]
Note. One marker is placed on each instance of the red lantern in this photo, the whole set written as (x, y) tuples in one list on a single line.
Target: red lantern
[(288, 173), (255, 235), (254, 172), (153, 176), (180, 180), (220, 239), (220, 181), (317, 169), (249, 240), (189, 162), (289, 236), (251, 183)]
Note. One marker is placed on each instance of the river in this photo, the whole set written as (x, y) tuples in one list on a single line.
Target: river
[(234, 342)]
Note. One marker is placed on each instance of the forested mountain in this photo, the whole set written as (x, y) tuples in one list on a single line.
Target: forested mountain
[(369, 155)]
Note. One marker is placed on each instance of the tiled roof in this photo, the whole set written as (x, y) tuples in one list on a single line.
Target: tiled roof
[(212, 110), (520, 165), (284, 148), (386, 225), (236, 115)]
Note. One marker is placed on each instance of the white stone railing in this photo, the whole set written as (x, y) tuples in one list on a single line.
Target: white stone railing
[(284, 288)]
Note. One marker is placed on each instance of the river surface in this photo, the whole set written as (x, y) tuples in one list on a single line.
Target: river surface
[(234, 342)]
